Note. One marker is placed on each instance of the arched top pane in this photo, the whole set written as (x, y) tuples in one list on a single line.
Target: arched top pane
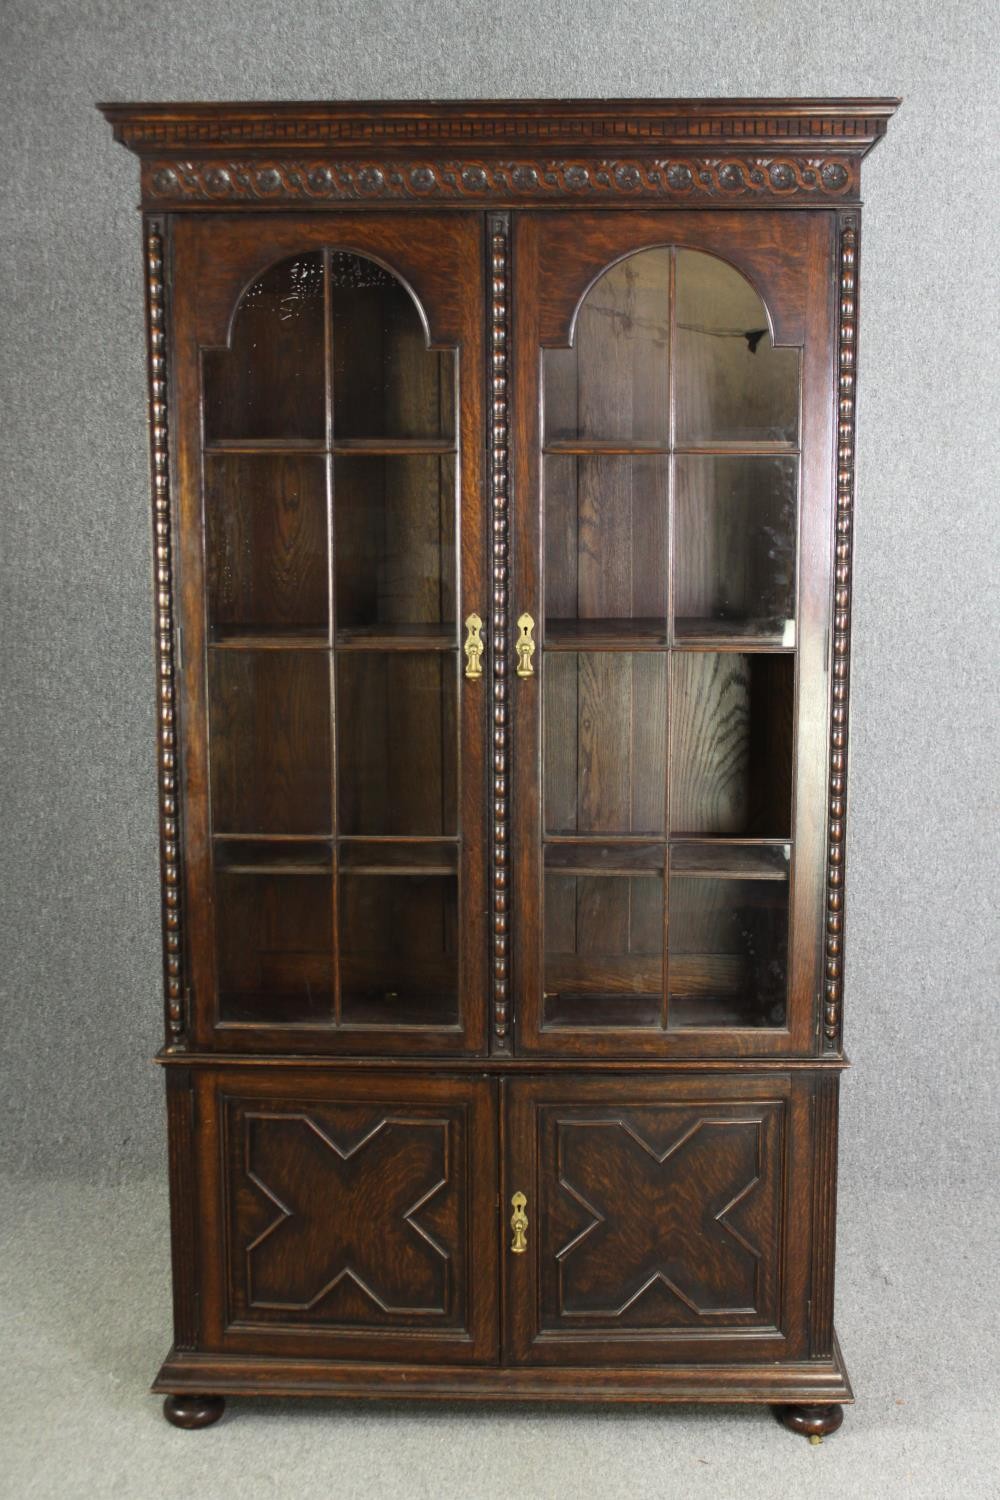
[(612, 384), (386, 382), (732, 385), (328, 343), (664, 329), (269, 383)]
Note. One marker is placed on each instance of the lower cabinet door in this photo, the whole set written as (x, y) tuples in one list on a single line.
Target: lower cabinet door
[(348, 1215), (658, 1218)]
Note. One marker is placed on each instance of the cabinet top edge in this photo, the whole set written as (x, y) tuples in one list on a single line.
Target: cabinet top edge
[(147, 126)]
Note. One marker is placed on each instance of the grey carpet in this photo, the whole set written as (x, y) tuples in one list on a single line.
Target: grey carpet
[(84, 1319)]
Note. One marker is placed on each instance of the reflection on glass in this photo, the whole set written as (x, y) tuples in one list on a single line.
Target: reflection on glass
[(399, 950), (265, 543), (603, 945), (731, 743), (734, 547), (269, 383), (729, 940), (730, 383), (274, 931), (604, 733), (395, 542), (397, 743), (386, 382), (613, 383), (605, 539), (269, 717)]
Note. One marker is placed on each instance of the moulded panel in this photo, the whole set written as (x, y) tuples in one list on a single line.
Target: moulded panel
[(655, 1209), (354, 1215)]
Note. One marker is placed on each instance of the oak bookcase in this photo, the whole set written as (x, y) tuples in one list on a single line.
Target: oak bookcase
[(503, 483)]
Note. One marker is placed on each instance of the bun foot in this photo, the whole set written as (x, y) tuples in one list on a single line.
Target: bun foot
[(813, 1422), (193, 1411)]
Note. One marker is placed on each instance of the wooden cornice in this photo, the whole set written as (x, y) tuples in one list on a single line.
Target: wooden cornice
[(565, 151)]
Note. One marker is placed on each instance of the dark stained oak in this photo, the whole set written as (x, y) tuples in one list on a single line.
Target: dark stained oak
[(440, 943)]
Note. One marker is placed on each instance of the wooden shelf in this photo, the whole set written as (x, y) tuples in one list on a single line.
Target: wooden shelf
[(272, 838), (397, 638), (591, 447), (651, 635), (387, 446), (730, 861), (733, 635), (605, 635), (268, 638), (739, 448), (374, 446), (279, 447)]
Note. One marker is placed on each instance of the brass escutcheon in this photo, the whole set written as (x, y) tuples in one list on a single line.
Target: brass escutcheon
[(519, 1224), (474, 648), (525, 646)]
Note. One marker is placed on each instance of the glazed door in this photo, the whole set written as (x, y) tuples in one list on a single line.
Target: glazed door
[(655, 1219), (673, 398), (333, 542)]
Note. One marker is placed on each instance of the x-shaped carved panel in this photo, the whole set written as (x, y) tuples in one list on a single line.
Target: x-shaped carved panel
[(658, 1219), (347, 1213)]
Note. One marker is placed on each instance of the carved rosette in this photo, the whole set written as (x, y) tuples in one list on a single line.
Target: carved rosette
[(499, 419), (840, 692), (166, 695), (730, 176)]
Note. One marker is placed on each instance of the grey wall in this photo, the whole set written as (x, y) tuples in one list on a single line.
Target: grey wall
[(80, 973)]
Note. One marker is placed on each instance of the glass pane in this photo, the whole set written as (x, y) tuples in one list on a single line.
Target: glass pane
[(269, 383), (730, 383), (397, 742), (269, 716), (605, 540), (731, 743), (734, 547), (605, 741), (728, 936), (612, 384), (395, 543), (265, 544), (386, 382), (604, 938), (398, 949), (274, 930)]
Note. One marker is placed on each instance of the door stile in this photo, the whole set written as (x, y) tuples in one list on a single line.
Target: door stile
[(526, 584)]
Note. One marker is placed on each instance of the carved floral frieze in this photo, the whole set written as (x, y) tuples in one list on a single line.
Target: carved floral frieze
[(734, 177)]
